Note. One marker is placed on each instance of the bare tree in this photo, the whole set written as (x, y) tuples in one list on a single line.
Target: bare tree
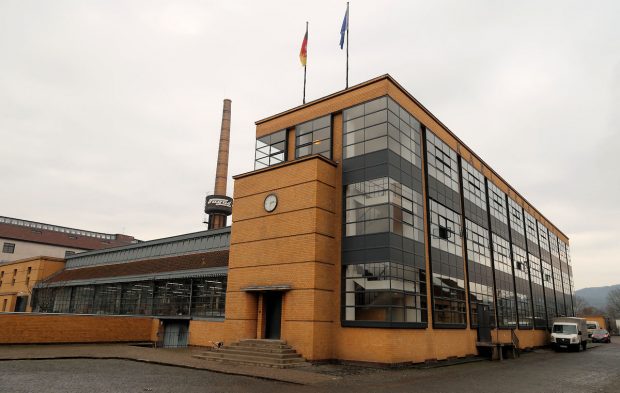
[(613, 302), (580, 305)]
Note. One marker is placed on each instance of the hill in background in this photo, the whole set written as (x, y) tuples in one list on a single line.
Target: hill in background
[(596, 296)]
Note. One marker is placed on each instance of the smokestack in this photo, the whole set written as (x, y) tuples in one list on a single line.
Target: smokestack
[(219, 206)]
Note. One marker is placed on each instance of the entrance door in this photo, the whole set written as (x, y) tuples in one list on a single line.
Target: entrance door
[(273, 314), (175, 334), (484, 323), (20, 303)]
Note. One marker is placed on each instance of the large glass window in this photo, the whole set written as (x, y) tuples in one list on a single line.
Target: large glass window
[(383, 205), (160, 297), (209, 296), (442, 162), (538, 297), (270, 150), (445, 229), (505, 291), (530, 228), (385, 292), (314, 137), (448, 270), (522, 280), (473, 185), (516, 217), (480, 271), (543, 234), (497, 203), (378, 125)]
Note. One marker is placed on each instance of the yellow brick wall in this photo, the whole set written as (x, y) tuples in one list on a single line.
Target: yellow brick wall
[(55, 328), (41, 268)]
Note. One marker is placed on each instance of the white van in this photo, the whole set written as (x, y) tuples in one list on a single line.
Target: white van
[(592, 326), (569, 333)]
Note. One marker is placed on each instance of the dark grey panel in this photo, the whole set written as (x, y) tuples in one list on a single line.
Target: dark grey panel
[(475, 213), (444, 195), (518, 239), (499, 228)]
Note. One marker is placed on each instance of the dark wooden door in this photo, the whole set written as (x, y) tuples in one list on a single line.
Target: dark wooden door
[(273, 314)]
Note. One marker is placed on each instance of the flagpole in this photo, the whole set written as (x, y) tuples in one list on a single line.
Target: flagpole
[(305, 65), (348, 21)]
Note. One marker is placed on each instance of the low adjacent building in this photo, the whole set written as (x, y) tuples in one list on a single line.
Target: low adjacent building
[(18, 278), (26, 239)]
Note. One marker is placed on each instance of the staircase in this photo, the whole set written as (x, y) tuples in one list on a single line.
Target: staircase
[(267, 353)]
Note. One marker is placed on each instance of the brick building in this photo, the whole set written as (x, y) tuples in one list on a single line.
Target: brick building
[(369, 231), (26, 239)]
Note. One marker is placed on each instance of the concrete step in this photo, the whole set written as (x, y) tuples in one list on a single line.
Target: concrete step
[(244, 351), (254, 360), (236, 346), (269, 353)]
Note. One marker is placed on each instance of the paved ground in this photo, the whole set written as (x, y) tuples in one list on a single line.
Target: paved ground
[(596, 370)]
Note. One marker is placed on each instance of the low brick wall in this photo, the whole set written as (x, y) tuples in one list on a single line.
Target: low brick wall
[(19, 328)]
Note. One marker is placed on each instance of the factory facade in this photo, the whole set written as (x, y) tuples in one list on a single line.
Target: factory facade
[(368, 231)]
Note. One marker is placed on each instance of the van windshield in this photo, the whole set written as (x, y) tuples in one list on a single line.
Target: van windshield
[(565, 329)]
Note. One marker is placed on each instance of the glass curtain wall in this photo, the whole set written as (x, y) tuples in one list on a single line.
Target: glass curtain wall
[(479, 262), (196, 297), (448, 272), (547, 273), (558, 282), (536, 271), (502, 262), (384, 272)]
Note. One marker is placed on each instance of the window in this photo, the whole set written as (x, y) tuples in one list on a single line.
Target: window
[(538, 297), (479, 269), (8, 248), (383, 205), (447, 266), (4, 305), (447, 221), (522, 281), (209, 297), (473, 185), (553, 246), (159, 297), (505, 290), (314, 137), (530, 228), (385, 292), (543, 236), (497, 203), (442, 162), (516, 217), (1, 277), (270, 150), (14, 275), (378, 125), (28, 275)]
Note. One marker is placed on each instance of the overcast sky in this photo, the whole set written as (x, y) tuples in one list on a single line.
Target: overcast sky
[(110, 111)]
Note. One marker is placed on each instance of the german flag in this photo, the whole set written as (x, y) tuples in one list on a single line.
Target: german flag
[(303, 53)]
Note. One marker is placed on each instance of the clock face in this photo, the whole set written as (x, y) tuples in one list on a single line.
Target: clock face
[(271, 201)]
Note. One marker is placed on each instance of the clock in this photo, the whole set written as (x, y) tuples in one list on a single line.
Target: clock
[(271, 201)]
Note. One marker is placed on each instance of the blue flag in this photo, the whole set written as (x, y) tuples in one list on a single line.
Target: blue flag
[(345, 27)]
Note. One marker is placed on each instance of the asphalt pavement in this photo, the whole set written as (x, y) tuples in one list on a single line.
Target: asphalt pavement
[(595, 370)]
